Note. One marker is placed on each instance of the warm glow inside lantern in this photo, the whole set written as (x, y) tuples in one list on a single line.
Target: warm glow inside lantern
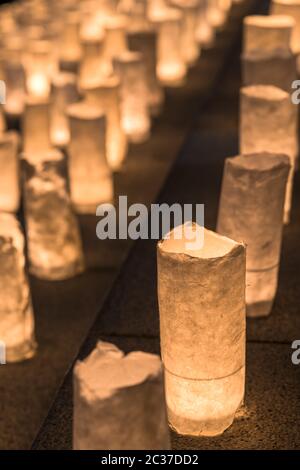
[(106, 96), (171, 67), (39, 67), (119, 401), (201, 293), (9, 172), (130, 68), (16, 315), (90, 177), (205, 33), (36, 126), (289, 8)]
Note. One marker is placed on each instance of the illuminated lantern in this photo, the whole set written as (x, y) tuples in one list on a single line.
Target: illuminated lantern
[(189, 45), (39, 66), (115, 41), (171, 67), (16, 314), (135, 118), (267, 33), (70, 47), (90, 177), (205, 34), (36, 126), (91, 66), (277, 69), (201, 295), (216, 14), (9, 172), (289, 8), (14, 77), (251, 210), (107, 97), (145, 42), (64, 92), (54, 243), (119, 401), (268, 123)]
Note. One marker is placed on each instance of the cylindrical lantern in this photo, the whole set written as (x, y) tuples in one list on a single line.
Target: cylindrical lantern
[(36, 126), (90, 177), (205, 33), (268, 123), (14, 78), (171, 67), (107, 97), (135, 119), (119, 401), (189, 45), (40, 65), (91, 65), (277, 69), (267, 33), (115, 41), (64, 92), (54, 243), (9, 172), (289, 8), (251, 210), (216, 14), (201, 296), (70, 48), (16, 314), (145, 42)]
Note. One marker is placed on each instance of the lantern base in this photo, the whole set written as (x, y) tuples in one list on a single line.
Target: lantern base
[(203, 407)]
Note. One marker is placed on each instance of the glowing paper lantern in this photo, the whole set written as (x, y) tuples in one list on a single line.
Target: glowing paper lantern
[(64, 92), (171, 67), (251, 210), (145, 42), (216, 14), (90, 177), (119, 401), (16, 315), (39, 66), (54, 243), (289, 8), (201, 296), (107, 97), (268, 33), (14, 77), (36, 126), (269, 124), (115, 41), (278, 69), (189, 45), (9, 172), (91, 65), (70, 47), (205, 34), (135, 119)]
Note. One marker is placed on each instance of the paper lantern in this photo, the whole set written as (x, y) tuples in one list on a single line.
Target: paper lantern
[(251, 210), (9, 172), (64, 92), (54, 243), (130, 69), (189, 45), (119, 401), (268, 33), (70, 48), (39, 66), (289, 8), (171, 67), (16, 314), (90, 177), (201, 295), (205, 34), (115, 41), (36, 126), (91, 65), (268, 123), (14, 77), (276, 68), (216, 14), (145, 42), (107, 97)]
